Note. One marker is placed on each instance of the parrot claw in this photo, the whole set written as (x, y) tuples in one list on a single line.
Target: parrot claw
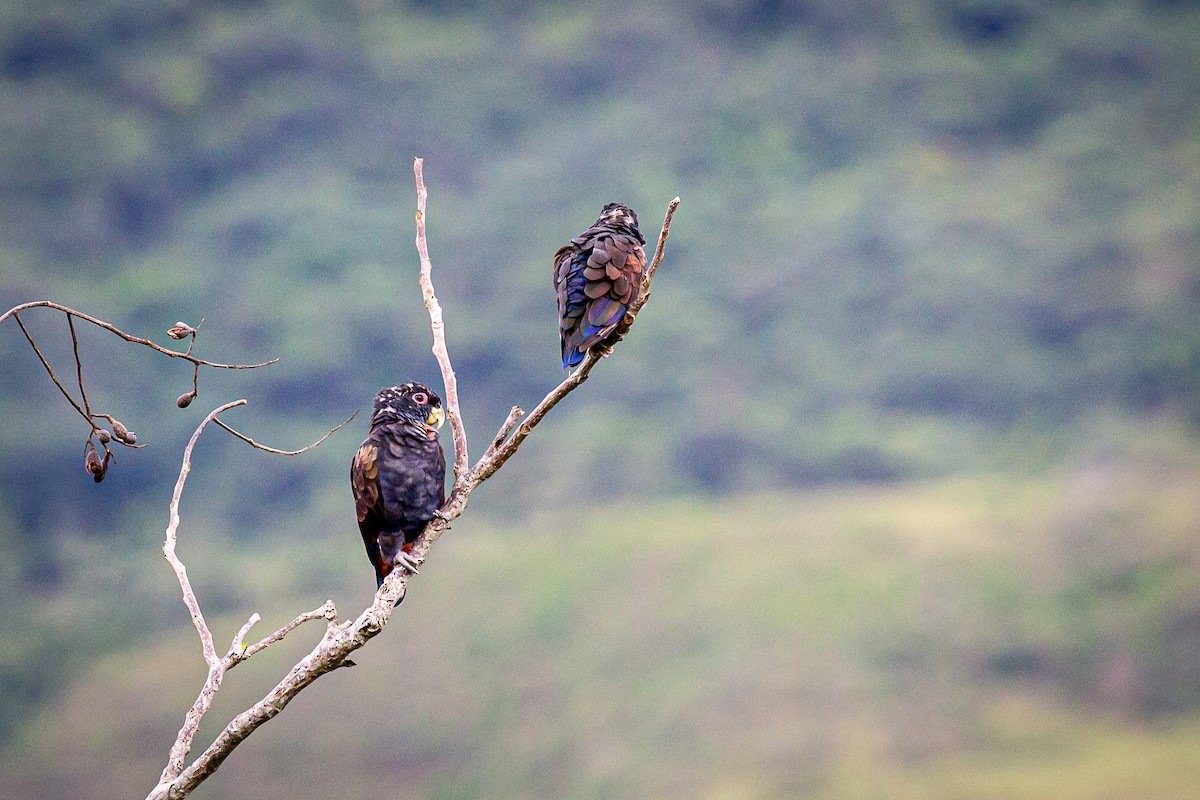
[(403, 559)]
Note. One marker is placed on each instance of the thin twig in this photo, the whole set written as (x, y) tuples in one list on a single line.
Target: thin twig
[(87, 408), (12, 312), (237, 648), (192, 341), (514, 416), (425, 278), (53, 377), (253, 443), (191, 722), (326, 611), (659, 250)]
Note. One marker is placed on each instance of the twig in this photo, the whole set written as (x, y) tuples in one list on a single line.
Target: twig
[(425, 278), (514, 416), (87, 408), (238, 652), (237, 648), (12, 312), (191, 722), (92, 464), (253, 443), (53, 377), (326, 611), (659, 250)]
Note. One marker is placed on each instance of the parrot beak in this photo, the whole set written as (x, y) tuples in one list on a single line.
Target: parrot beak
[(436, 417)]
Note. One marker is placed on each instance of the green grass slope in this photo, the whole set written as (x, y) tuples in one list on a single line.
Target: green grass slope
[(982, 637)]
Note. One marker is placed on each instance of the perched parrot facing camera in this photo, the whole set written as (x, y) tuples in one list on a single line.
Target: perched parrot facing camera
[(398, 475)]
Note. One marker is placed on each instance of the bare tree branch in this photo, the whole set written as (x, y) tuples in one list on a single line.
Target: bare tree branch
[(93, 464), (53, 377), (326, 611), (87, 408), (305, 449), (237, 648), (343, 638), (238, 651), (216, 671), (503, 448), (510, 422), (129, 337), (439, 333), (659, 250), (330, 653)]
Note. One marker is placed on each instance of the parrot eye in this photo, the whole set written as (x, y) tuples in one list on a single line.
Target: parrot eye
[(420, 398)]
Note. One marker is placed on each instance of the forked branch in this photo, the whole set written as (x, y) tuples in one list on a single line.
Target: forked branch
[(343, 638), (93, 464), (238, 651)]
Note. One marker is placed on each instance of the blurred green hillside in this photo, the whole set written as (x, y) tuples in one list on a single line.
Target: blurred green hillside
[(985, 637), (950, 246)]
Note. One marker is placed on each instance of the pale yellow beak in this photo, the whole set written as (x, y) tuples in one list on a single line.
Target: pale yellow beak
[(436, 417)]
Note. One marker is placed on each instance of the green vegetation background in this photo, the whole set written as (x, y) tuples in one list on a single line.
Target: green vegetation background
[(891, 492)]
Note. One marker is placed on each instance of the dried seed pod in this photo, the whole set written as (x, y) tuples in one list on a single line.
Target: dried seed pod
[(93, 465), (185, 399), (122, 433), (104, 436), (180, 330)]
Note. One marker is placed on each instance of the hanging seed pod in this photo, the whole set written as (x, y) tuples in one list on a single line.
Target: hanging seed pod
[(104, 436), (185, 399), (93, 465)]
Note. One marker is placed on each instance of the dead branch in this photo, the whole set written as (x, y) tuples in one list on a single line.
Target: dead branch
[(93, 464), (238, 651), (187, 356), (49, 369), (439, 332), (503, 446), (343, 638), (87, 408), (305, 449), (216, 671)]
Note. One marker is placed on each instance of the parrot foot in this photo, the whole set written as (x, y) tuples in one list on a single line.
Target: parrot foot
[(403, 559)]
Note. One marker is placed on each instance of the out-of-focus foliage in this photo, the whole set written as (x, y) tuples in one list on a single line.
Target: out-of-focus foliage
[(917, 240), (947, 218), (974, 638)]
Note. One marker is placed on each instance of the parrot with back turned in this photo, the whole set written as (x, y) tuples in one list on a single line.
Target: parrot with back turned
[(596, 277)]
